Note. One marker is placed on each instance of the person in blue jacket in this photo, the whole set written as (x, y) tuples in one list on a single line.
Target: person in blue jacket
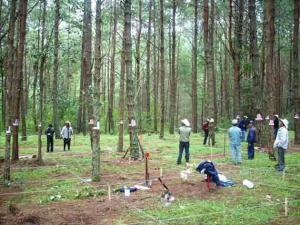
[(235, 135), (251, 139)]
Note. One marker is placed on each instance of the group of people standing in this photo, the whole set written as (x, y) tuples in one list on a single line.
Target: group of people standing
[(237, 133), (66, 133)]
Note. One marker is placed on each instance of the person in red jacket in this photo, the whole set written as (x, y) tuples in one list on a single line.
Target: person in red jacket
[(205, 130)]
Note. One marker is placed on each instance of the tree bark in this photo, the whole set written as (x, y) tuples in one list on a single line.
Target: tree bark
[(122, 101), (173, 71), (55, 70), (41, 82), (209, 59), (155, 70), (194, 70), (148, 61), (10, 64), (138, 68), (270, 39), (111, 126), (18, 77), (162, 72), (134, 149), (295, 61), (96, 155), (254, 57), (6, 173), (98, 61)]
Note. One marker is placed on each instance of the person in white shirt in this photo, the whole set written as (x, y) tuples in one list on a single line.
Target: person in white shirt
[(66, 134), (282, 143)]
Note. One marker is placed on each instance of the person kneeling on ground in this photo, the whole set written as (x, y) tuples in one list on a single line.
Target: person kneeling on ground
[(251, 139), (66, 134), (184, 141), (281, 143), (235, 135)]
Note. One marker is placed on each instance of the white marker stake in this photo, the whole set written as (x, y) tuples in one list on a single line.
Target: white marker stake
[(161, 171), (285, 207), (210, 151), (109, 193), (129, 160)]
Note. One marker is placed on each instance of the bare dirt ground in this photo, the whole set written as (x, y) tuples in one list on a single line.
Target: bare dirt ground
[(100, 210)]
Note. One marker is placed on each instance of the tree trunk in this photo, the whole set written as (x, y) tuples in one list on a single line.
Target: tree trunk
[(162, 71), (96, 155), (24, 100), (235, 50), (209, 64), (18, 77), (270, 39), (211, 48), (98, 61), (134, 149), (86, 109), (173, 71), (138, 68), (254, 57), (296, 70), (121, 101), (110, 121), (194, 70), (6, 173), (155, 70), (55, 70), (148, 61), (10, 64), (41, 82)]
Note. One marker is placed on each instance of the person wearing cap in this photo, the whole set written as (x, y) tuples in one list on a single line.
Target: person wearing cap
[(205, 130), (242, 125), (251, 139), (66, 134), (276, 125), (211, 132), (184, 140), (235, 135), (50, 134), (281, 143)]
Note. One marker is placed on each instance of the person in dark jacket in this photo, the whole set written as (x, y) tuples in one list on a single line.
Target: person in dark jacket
[(276, 125), (205, 130), (251, 139), (242, 126), (50, 134)]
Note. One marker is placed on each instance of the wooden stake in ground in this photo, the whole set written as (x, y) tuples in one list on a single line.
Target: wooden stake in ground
[(40, 160), (147, 155), (96, 155), (6, 174), (224, 145)]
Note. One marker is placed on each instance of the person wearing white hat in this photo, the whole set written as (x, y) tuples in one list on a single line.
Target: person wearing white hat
[(281, 143), (66, 134), (211, 132), (184, 140), (235, 135)]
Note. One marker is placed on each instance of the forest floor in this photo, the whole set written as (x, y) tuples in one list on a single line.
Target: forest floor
[(59, 192)]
